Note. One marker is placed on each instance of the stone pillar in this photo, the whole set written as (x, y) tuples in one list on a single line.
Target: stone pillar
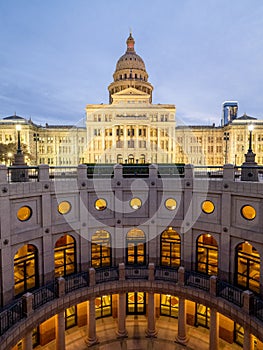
[(229, 172), (181, 337), (60, 331), (91, 322), (3, 174), (122, 332), (151, 331), (43, 172), (27, 341), (248, 343), (214, 330)]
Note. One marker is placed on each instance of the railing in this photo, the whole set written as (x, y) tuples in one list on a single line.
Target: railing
[(258, 308), (230, 293), (107, 274), (11, 315), (197, 280), (135, 170), (62, 172), (44, 295), (166, 274), (211, 172), (138, 272), (100, 171), (22, 173), (171, 170), (76, 281)]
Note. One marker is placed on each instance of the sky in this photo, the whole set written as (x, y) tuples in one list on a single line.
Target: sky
[(56, 56)]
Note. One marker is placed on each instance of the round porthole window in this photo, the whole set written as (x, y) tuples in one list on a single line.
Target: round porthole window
[(135, 203), (248, 212), (24, 213), (100, 204), (208, 207), (170, 204), (64, 207)]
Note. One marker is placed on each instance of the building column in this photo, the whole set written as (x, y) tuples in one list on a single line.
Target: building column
[(248, 343), (214, 330), (27, 341), (181, 337), (151, 331), (122, 332), (91, 322), (60, 331)]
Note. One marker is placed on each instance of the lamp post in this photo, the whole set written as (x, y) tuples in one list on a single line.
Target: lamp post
[(226, 138), (18, 129), (249, 170), (250, 129), (36, 139)]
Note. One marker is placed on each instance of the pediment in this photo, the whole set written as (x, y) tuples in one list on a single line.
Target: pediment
[(131, 91)]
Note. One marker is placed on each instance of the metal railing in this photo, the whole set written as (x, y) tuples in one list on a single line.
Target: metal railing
[(170, 170), (11, 315), (15, 312), (209, 172), (230, 293), (62, 172), (22, 174), (76, 281), (138, 272), (44, 294), (100, 171), (107, 274), (166, 274), (197, 280), (258, 308)]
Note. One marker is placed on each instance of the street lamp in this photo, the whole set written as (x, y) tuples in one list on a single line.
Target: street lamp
[(18, 129), (36, 139), (226, 138), (250, 129)]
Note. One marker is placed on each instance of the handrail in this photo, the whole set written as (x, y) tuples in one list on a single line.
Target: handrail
[(15, 312)]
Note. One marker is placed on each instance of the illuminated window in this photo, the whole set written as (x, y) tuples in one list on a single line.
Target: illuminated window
[(70, 317), (135, 247), (103, 306), (24, 213), (135, 203), (100, 204), (170, 248), (248, 212), (248, 267), (26, 269), (169, 305), (64, 207), (207, 255), (101, 249), (65, 256), (202, 316), (170, 204), (136, 303), (208, 207)]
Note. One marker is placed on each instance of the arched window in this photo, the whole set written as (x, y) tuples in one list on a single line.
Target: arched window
[(26, 268), (65, 256), (130, 159), (170, 248), (207, 255), (101, 249), (247, 267), (135, 247)]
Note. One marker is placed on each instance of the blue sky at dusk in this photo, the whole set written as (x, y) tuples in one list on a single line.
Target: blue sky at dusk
[(56, 56)]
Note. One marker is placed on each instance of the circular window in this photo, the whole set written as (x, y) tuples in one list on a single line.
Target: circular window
[(208, 207), (64, 207), (100, 204), (24, 213), (248, 212), (135, 203), (170, 204)]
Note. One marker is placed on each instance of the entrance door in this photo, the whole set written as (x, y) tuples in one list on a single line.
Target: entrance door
[(136, 303)]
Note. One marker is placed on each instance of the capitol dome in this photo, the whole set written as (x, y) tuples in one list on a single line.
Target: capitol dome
[(130, 60), (130, 72)]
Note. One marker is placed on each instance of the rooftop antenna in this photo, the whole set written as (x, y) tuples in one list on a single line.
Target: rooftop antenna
[(130, 29)]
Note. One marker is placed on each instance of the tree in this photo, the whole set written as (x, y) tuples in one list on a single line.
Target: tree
[(8, 151)]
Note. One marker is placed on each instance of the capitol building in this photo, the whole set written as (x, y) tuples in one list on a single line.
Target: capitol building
[(132, 232), (131, 129)]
